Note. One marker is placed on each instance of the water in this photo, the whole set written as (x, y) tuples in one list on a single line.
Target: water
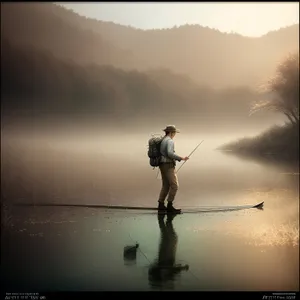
[(65, 248)]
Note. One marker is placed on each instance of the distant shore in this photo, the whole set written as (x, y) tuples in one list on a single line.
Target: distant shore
[(278, 144)]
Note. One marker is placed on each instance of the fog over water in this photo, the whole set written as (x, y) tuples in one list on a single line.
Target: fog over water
[(98, 165)]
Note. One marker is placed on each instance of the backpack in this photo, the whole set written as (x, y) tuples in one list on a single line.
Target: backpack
[(154, 151)]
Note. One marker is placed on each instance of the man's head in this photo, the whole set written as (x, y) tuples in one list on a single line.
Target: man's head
[(171, 130)]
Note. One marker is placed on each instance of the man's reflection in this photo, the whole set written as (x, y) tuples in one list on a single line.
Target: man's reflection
[(164, 270)]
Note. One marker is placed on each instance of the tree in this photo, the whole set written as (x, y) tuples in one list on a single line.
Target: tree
[(284, 90)]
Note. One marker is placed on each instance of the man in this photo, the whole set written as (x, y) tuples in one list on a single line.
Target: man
[(167, 169)]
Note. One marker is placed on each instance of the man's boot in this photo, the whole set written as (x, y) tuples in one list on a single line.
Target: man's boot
[(161, 206), (172, 209)]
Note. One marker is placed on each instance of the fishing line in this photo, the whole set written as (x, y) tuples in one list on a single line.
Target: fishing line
[(140, 249), (192, 273)]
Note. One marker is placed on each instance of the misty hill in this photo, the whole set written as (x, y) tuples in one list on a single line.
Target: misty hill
[(35, 81), (206, 55), (36, 24)]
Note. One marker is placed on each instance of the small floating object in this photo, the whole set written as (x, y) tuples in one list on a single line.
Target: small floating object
[(129, 254)]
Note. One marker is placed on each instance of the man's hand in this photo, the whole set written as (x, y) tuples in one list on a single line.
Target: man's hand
[(185, 158)]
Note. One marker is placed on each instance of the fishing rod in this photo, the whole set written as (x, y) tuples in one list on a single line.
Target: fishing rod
[(189, 156), (185, 161)]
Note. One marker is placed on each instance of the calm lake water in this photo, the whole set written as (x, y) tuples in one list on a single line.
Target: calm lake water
[(68, 248)]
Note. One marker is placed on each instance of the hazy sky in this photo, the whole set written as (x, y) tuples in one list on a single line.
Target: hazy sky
[(251, 19)]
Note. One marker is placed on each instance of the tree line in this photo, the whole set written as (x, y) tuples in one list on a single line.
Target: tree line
[(34, 79)]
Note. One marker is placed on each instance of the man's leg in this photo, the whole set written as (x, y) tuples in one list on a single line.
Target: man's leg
[(173, 182), (165, 185), (174, 185)]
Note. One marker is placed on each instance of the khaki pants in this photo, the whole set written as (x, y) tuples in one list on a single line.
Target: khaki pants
[(169, 182)]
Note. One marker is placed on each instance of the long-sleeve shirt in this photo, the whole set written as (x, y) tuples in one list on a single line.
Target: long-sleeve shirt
[(167, 150)]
